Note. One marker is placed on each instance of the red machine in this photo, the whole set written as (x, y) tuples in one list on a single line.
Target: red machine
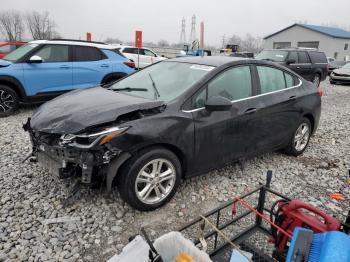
[(295, 213)]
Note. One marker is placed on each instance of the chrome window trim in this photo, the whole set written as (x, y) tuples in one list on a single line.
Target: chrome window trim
[(239, 100)]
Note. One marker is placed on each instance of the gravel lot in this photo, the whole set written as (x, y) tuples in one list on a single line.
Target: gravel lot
[(99, 227)]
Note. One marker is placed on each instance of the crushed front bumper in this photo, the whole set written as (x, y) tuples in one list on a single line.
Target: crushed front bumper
[(89, 164)]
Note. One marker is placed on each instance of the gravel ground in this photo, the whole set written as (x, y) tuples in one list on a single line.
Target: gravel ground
[(98, 227)]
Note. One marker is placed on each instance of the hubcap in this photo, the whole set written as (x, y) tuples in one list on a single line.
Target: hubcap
[(301, 137), (155, 181), (6, 101)]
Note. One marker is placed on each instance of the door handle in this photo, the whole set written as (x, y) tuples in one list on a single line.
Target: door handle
[(292, 98), (104, 65), (64, 66), (250, 111), (298, 67)]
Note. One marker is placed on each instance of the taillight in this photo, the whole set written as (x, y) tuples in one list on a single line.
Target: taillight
[(130, 64), (320, 91)]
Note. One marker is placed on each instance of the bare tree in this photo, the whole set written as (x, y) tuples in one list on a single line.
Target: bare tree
[(40, 25), (111, 40), (163, 43), (11, 25)]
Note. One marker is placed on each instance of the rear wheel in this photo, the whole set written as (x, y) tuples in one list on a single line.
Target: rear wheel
[(317, 80), (300, 138), (8, 101), (150, 179)]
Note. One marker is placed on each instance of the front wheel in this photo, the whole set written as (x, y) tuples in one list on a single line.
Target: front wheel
[(9, 101), (150, 179), (300, 138)]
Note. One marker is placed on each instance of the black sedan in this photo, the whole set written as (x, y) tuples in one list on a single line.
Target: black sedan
[(175, 119)]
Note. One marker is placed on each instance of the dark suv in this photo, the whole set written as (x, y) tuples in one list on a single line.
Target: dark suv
[(310, 64)]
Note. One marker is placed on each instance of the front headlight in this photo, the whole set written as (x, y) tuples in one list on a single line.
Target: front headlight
[(91, 139)]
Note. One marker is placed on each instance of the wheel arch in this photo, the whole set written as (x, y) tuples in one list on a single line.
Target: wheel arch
[(112, 76), (311, 118), (174, 149), (15, 85)]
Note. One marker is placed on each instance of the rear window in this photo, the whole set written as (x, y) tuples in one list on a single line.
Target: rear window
[(272, 55), (87, 53), (117, 51), (130, 50), (318, 57)]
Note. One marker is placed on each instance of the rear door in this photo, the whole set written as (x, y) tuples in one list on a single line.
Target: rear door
[(305, 65), (221, 136), (53, 74), (277, 112), (90, 65)]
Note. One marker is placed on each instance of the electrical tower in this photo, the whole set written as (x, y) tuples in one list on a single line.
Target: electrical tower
[(193, 29), (183, 31)]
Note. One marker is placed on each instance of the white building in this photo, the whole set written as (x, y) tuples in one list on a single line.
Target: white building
[(334, 42)]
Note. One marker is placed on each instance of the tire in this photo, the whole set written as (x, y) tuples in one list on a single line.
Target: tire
[(297, 147), (317, 80), (159, 192), (9, 101)]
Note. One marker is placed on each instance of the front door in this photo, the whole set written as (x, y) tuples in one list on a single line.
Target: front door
[(222, 136), (53, 74)]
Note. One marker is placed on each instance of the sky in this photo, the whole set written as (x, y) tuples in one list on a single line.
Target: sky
[(161, 19)]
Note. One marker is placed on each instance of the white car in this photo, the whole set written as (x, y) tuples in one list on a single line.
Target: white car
[(146, 58)]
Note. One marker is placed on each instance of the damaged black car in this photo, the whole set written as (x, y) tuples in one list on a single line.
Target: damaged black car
[(175, 119)]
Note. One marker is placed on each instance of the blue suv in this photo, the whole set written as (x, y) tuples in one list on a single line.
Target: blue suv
[(43, 69)]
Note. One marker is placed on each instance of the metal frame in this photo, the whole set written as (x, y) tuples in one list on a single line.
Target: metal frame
[(217, 253)]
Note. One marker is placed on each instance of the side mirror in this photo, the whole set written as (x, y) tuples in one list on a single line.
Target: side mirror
[(218, 103), (35, 59), (290, 61)]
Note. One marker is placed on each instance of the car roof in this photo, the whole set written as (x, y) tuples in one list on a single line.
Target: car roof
[(208, 60), (295, 49), (128, 46), (82, 43)]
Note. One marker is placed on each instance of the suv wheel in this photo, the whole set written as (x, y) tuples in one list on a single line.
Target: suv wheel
[(8, 101), (150, 179), (300, 138), (317, 80)]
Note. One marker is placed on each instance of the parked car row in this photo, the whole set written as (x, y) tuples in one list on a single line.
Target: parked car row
[(43, 69), (148, 131)]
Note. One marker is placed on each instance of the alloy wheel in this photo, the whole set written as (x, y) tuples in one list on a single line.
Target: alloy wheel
[(155, 181), (301, 137), (6, 101)]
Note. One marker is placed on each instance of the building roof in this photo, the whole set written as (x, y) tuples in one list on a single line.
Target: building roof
[(325, 30)]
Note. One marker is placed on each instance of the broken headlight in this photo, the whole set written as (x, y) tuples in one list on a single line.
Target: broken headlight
[(100, 137)]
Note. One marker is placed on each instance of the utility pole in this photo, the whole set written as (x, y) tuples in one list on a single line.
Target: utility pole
[(183, 32), (193, 29)]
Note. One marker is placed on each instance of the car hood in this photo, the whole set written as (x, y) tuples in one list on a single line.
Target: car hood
[(4, 63), (78, 110), (342, 71)]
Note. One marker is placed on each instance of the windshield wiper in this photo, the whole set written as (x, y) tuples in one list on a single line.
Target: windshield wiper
[(156, 93), (129, 89), (268, 59)]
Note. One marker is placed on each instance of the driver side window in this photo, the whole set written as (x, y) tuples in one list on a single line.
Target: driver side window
[(233, 84), (54, 53)]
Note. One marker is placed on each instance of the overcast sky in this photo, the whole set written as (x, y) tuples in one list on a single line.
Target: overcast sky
[(161, 19)]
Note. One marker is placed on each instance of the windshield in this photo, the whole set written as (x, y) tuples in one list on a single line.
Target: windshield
[(20, 52), (272, 55), (163, 81), (347, 66)]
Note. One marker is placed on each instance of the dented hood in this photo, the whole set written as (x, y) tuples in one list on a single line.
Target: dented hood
[(77, 110)]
